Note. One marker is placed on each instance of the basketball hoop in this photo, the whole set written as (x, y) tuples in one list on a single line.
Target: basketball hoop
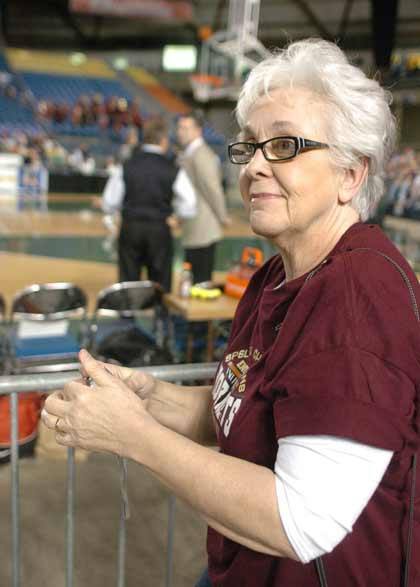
[(203, 86)]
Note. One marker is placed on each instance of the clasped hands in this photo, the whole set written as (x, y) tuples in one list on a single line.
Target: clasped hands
[(104, 417)]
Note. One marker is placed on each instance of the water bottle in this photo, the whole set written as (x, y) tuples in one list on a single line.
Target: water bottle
[(185, 281)]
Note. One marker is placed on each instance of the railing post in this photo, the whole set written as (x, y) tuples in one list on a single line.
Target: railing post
[(14, 458), (170, 540), (71, 474), (122, 538), (124, 515)]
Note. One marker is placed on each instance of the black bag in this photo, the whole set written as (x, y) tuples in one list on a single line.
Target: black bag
[(133, 348)]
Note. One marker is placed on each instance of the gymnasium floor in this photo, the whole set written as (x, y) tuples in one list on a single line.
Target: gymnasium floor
[(68, 241)]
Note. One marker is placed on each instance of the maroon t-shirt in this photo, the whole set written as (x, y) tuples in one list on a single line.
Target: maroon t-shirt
[(335, 353)]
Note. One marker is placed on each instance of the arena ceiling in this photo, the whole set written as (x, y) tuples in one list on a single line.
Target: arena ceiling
[(356, 24)]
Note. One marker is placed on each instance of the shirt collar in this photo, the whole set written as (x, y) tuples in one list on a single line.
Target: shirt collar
[(193, 146), (148, 148)]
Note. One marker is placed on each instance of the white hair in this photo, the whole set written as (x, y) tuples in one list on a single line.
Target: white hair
[(359, 122)]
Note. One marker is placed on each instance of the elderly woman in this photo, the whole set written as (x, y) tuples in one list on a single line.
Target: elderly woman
[(314, 404)]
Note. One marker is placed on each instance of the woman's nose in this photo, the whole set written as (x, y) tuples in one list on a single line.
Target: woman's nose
[(258, 165)]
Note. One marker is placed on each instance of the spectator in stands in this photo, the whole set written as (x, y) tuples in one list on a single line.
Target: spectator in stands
[(57, 155), (401, 172), (201, 233), (121, 115), (34, 179), (45, 109), (116, 114), (5, 80), (27, 99), (7, 141), (81, 161), (61, 112), (77, 114), (98, 109), (10, 91), (75, 158), (135, 117), (111, 108), (86, 117), (88, 163), (315, 405), (412, 209)]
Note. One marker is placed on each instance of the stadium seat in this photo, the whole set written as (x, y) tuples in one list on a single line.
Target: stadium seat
[(69, 88), (128, 324), (47, 328)]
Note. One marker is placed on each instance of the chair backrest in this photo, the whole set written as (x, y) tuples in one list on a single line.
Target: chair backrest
[(128, 298), (49, 301)]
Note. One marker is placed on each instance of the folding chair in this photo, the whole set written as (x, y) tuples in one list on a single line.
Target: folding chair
[(128, 324), (47, 328), (136, 327)]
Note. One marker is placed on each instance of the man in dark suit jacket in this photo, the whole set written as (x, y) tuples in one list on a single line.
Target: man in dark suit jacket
[(145, 237)]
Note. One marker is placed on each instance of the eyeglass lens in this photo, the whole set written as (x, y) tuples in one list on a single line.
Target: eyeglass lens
[(280, 148), (275, 149)]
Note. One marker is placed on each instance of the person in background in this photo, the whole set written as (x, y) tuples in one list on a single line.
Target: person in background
[(201, 233), (110, 202), (130, 143), (145, 237), (315, 404), (88, 164), (134, 109), (75, 158)]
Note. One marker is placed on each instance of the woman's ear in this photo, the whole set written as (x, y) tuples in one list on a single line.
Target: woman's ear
[(352, 181)]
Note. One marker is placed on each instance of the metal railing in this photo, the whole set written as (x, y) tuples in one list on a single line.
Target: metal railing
[(13, 385)]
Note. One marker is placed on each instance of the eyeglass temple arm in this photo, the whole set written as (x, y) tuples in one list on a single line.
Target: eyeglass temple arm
[(308, 144)]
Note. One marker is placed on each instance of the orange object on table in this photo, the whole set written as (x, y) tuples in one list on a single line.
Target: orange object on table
[(238, 277)]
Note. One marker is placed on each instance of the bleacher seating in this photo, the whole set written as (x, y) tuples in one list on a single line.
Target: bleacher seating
[(28, 128), (69, 88), (16, 117), (51, 78), (15, 113)]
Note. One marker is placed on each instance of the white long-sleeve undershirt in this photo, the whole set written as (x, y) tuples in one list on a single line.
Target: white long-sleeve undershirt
[(322, 484)]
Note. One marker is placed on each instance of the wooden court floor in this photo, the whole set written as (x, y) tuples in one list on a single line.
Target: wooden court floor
[(66, 241)]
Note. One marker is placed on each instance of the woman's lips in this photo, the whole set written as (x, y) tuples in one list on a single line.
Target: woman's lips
[(262, 196)]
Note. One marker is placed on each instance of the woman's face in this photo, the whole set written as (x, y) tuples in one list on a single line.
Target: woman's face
[(291, 196)]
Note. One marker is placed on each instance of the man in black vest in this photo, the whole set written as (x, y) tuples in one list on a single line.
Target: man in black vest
[(145, 237)]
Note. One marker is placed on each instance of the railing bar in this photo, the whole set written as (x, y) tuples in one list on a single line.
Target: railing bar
[(71, 474), (122, 540), (14, 458), (52, 381), (170, 540), (13, 385), (170, 534)]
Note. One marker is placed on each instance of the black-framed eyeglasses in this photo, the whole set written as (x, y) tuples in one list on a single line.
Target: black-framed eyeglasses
[(275, 149)]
